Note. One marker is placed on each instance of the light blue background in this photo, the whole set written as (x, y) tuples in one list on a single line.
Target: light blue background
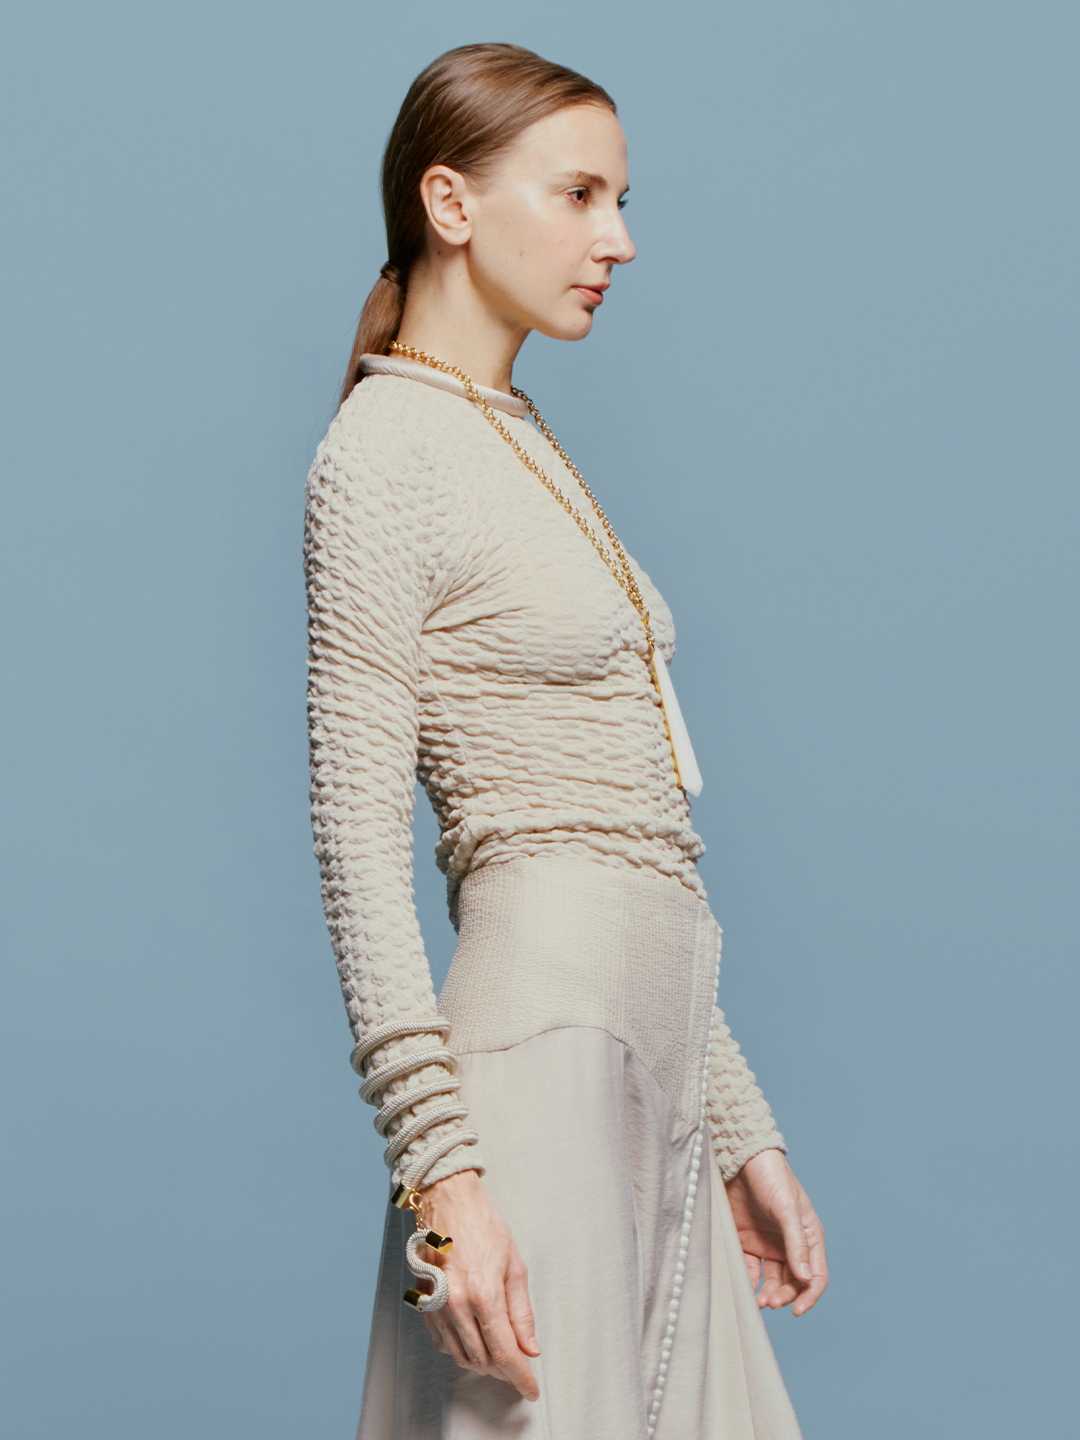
[(832, 409)]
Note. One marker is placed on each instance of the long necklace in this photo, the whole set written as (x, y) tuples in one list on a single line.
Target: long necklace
[(686, 769)]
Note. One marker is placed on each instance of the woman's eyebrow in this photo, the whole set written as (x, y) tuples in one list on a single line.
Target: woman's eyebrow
[(587, 178), (583, 177)]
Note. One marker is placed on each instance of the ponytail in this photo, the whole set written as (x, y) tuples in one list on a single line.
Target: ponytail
[(380, 321)]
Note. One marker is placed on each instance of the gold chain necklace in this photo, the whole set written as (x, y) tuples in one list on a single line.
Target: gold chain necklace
[(616, 562)]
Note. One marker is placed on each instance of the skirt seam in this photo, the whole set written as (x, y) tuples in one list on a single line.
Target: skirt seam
[(601, 1029)]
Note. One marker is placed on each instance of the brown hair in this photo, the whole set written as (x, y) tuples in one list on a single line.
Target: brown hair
[(463, 111)]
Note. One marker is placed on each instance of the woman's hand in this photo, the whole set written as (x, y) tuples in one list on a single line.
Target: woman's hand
[(487, 1324), (781, 1236)]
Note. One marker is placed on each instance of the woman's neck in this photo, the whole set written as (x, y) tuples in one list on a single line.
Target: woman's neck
[(447, 318)]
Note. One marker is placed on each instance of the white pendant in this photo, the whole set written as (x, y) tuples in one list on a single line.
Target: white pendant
[(687, 766)]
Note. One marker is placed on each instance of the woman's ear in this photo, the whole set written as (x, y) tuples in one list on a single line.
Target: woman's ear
[(446, 197)]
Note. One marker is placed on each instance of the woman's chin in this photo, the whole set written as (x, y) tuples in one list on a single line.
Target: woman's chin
[(567, 327)]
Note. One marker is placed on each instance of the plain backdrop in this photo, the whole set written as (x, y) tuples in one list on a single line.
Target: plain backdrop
[(831, 407)]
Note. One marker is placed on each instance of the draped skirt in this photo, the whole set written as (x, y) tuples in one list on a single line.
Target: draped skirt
[(581, 999)]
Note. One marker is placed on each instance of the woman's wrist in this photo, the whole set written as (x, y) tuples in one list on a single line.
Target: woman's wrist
[(460, 1185)]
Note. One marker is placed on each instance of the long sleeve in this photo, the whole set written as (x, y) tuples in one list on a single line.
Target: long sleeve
[(740, 1120), (374, 566)]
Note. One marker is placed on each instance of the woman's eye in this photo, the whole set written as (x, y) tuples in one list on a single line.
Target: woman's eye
[(579, 194), (622, 204)]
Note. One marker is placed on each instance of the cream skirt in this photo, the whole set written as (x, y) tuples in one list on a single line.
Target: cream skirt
[(588, 1125)]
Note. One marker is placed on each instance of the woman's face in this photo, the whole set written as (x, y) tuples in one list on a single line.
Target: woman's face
[(546, 228)]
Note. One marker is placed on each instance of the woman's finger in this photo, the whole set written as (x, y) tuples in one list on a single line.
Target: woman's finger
[(772, 1285), (442, 1333), (453, 1346), (460, 1315), (518, 1308), (489, 1306), (819, 1269), (467, 1333), (753, 1268), (766, 1268), (444, 1337), (787, 1290)]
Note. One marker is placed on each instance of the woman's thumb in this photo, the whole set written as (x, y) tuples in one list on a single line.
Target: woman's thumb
[(796, 1245)]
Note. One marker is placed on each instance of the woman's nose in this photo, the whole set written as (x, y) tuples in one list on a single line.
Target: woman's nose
[(617, 246)]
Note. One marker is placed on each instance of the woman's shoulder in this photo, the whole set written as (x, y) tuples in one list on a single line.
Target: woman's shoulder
[(399, 420), (387, 479), (390, 435)]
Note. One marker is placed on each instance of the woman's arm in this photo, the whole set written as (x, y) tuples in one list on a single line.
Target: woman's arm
[(373, 550), (375, 564)]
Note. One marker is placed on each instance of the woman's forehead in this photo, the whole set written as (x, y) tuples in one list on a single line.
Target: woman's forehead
[(580, 144)]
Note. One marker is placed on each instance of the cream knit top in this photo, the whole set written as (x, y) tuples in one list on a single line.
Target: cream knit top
[(463, 630)]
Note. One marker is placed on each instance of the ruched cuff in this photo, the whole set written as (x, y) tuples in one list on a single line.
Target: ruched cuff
[(739, 1117)]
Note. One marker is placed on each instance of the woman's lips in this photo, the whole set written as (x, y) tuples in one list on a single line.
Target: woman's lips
[(591, 296)]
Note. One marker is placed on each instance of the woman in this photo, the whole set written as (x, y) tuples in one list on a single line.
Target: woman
[(475, 621)]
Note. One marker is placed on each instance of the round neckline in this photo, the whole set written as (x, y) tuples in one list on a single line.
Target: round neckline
[(407, 369)]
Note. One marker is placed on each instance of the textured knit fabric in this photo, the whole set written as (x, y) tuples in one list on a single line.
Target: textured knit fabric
[(740, 1121), (463, 629)]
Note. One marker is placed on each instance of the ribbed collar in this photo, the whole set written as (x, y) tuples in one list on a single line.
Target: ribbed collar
[(415, 370)]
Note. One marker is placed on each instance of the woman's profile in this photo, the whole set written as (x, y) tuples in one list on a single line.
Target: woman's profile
[(588, 1185)]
